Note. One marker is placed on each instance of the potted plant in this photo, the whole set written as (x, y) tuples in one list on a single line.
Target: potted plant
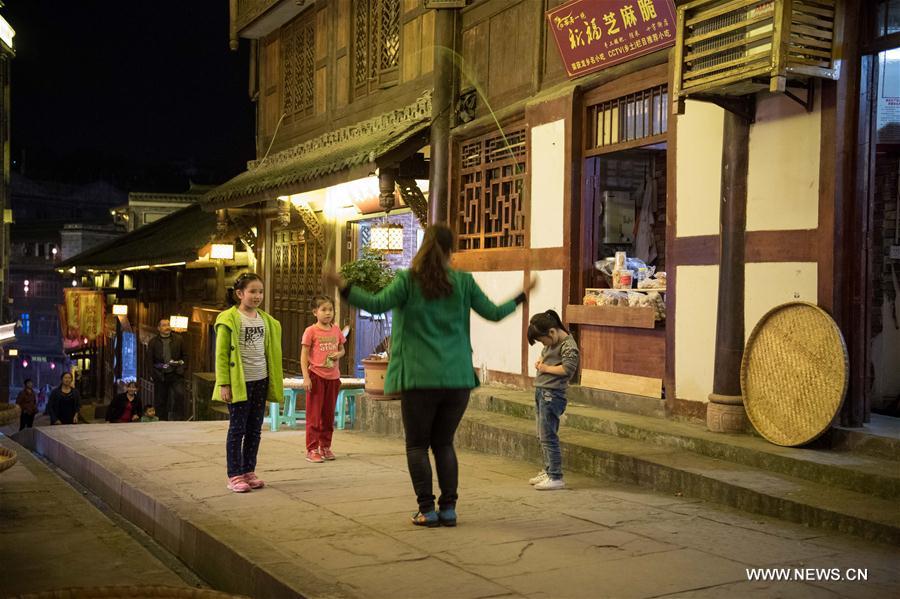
[(372, 273)]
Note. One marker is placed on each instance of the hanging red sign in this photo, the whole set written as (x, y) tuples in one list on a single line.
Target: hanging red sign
[(595, 34)]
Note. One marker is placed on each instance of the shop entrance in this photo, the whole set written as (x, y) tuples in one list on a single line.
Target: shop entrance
[(624, 211), (880, 172), (370, 333), (627, 192)]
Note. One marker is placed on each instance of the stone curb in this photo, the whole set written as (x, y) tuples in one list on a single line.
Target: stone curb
[(224, 564)]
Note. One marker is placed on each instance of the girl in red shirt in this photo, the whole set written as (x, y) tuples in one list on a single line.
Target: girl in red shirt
[(323, 346)]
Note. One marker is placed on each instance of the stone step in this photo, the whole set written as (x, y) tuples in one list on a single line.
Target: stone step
[(848, 470), (668, 469), (879, 438)]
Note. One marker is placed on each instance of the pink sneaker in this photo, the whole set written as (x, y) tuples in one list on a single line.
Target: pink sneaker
[(238, 485), (253, 481), (314, 456), (327, 453)]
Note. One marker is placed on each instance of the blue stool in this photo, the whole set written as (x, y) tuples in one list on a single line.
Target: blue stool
[(289, 415), (345, 409)]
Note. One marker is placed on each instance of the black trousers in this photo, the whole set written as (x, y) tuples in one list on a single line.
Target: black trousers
[(26, 420), (169, 397), (430, 419)]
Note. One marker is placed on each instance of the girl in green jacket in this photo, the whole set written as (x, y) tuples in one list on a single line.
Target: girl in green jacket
[(248, 372), (431, 360)]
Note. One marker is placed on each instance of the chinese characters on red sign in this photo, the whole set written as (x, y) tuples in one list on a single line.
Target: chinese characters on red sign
[(595, 34)]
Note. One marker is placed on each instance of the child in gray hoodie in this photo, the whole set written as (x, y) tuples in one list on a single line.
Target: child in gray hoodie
[(555, 368)]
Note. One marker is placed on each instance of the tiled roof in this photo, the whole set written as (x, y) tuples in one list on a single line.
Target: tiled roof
[(174, 238), (300, 168)]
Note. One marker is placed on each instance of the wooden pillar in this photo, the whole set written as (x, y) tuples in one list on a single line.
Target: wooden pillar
[(725, 412), (221, 298), (445, 84)]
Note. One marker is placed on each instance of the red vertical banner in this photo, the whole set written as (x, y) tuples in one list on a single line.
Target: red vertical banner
[(595, 34), (82, 314)]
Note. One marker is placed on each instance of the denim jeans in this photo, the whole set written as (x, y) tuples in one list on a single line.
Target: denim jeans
[(245, 429), (549, 407)]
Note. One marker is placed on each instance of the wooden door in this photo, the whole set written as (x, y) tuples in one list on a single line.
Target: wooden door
[(296, 278)]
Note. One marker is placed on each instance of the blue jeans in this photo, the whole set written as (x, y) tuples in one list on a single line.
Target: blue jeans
[(550, 404), (245, 429)]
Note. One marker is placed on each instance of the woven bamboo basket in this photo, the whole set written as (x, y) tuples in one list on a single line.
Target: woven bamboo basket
[(794, 373), (8, 457), (9, 413), (130, 592)]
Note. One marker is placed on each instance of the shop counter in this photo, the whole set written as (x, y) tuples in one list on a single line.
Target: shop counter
[(623, 349)]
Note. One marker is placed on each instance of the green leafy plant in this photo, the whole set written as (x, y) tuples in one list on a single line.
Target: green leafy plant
[(371, 271)]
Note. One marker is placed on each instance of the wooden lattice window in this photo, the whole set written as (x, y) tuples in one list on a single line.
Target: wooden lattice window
[(376, 45), (491, 207), (296, 279), (298, 60), (634, 119)]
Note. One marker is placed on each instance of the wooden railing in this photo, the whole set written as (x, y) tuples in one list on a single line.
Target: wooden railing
[(739, 47)]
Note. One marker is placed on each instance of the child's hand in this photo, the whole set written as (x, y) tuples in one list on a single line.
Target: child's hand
[(225, 393), (539, 366), (307, 385)]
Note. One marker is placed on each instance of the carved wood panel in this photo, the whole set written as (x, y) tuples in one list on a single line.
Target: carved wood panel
[(491, 207), (376, 44), (298, 59), (296, 277)]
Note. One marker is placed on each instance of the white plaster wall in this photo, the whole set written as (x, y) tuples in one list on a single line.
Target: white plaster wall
[(498, 345), (695, 330), (548, 295), (783, 178), (548, 157), (771, 284), (698, 172)]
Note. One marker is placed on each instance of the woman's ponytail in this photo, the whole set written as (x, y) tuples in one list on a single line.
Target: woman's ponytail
[(429, 267)]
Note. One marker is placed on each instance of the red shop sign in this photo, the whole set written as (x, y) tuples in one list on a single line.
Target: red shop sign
[(595, 34)]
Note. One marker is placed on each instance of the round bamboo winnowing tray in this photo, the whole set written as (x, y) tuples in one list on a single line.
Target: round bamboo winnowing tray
[(8, 458), (130, 592), (794, 373)]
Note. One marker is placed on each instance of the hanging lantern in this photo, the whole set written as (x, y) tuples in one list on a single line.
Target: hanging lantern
[(178, 323), (386, 238)]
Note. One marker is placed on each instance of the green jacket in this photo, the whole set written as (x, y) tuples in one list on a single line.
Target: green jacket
[(230, 370), (430, 343)]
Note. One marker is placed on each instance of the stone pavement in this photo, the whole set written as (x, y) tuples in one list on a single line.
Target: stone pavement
[(51, 537), (341, 529)]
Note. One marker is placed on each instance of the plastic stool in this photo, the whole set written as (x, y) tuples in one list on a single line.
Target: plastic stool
[(289, 415), (345, 409)]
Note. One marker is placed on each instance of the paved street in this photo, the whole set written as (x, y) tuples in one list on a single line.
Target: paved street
[(342, 528), (52, 537)]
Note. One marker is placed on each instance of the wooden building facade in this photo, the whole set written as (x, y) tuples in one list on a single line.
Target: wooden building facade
[(536, 158)]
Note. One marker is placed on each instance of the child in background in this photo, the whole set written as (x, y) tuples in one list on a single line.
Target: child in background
[(150, 415), (556, 366), (322, 347)]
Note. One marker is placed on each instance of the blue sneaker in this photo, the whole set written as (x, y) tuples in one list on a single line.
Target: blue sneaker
[(429, 519), (447, 516)]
